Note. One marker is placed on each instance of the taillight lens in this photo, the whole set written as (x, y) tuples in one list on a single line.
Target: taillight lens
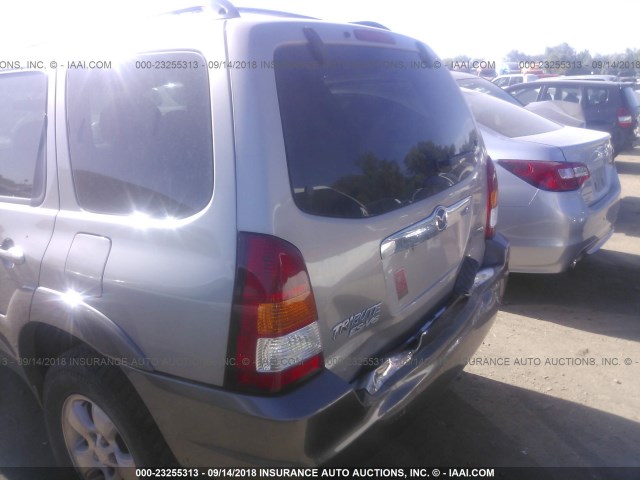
[(274, 339), (625, 118), (550, 176), (492, 200)]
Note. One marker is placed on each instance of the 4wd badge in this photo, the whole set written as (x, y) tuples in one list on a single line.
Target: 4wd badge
[(358, 321)]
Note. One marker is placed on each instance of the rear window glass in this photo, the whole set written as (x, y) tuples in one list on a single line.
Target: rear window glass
[(140, 137), (502, 82), (505, 118), (485, 86), (366, 133), (22, 136)]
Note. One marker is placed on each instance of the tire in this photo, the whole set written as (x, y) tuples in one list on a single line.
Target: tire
[(96, 421)]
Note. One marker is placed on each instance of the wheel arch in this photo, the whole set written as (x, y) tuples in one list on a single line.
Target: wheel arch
[(57, 325)]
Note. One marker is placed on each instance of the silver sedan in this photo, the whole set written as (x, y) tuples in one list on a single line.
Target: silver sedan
[(558, 186)]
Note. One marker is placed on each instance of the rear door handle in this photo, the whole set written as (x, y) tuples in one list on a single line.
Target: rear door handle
[(11, 252)]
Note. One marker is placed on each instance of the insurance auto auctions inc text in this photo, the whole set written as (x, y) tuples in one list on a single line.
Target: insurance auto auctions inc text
[(371, 473), (547, 361)]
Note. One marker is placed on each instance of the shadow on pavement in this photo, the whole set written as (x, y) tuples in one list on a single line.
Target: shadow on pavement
[(628, 168), (633, 152), (484, 423), (629, 219), (23, 438), (601, 295), (475, 422)]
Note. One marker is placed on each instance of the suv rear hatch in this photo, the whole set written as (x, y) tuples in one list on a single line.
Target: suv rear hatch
[(631, 116), (375, 172)]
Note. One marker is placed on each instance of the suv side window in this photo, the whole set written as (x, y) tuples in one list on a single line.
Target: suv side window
[(597, 96), (23, 98), (569, 94), (363, 140), (140, 137)]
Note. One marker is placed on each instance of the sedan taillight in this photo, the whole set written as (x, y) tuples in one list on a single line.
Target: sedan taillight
[(550, 176)]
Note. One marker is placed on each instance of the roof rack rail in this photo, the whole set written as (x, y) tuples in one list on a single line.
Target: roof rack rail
[(225, 8), (368, 23), (274, 13)]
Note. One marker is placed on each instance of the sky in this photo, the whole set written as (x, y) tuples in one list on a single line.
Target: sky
[(480, 29)]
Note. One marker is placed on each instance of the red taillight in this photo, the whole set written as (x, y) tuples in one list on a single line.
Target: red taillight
[(492, 200), (550, 176), (625, 118), (274, 339)]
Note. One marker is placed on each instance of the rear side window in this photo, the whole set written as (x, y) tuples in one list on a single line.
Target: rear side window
[(366, 133), (23, 98), (597, 96), (507, 119), (140, 137), (564, 93)]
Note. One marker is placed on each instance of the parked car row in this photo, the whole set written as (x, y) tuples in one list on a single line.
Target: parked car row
[(559, 189), (300, 247), (607, 106), (507, 80), (562, 112), (595, 103)]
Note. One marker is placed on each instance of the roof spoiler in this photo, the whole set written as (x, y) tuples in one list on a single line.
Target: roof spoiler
[(222, 8), (368, 23)]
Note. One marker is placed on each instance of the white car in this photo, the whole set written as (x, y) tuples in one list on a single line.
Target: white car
[(505, 81)]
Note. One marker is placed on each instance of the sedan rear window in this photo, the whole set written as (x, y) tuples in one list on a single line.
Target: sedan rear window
[(505, 118), (370, 130), (485, 86)]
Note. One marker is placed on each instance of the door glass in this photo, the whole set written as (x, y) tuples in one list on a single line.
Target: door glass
[(22, 130), (140, 138), (570, 94), (597, 96)]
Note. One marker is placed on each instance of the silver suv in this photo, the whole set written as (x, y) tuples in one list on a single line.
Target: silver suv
[(245, 239)]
